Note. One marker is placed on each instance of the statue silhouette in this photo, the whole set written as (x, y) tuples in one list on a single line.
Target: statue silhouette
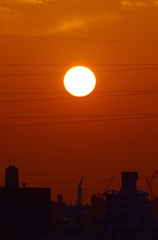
[(79, 199)]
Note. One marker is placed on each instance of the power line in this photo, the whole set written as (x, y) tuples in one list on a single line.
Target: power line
[(80, 39), (89, 189), (75, 182), (89, 181), (78, 122), (89, 172), (75, 190), (128, 69), (30, 74), (95, 189), (58, 73), (34, 100), (65, 65), (34, 93), (75, 122), (81, 116), (98, 92), (72, 182), (70, 98)]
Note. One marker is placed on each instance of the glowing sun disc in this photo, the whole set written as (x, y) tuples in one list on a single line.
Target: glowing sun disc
[(79, 81)]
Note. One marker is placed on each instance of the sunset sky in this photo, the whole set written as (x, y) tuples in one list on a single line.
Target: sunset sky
[(58, 138)]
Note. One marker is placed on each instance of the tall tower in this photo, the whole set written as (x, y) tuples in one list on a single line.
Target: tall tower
[(11, 177)]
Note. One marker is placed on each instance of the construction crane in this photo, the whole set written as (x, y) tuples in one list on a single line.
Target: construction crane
[(109, 183), (149, 187)]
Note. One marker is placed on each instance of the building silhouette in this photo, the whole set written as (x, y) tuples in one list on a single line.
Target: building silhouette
[(29, 214), (26, 211), (126, 213), (121, 215), (127, 206), (11, 177)]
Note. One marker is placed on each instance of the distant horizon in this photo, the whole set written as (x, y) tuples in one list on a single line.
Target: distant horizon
[(112, 183)]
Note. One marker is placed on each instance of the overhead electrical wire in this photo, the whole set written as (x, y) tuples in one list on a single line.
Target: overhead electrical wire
[(85, 181), (58, 73), (91, 189), (127, 69), (30, 74), (63, 65), (94, 189), (81, 116), (75, 182), (79, 39), (70, 98), (33, 100), (90, 172), (79, 122), (96, 92)]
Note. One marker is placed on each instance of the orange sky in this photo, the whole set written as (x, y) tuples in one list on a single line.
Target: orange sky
[(53, 30)]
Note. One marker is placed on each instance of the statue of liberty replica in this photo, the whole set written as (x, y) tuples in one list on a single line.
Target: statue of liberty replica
[(79, 199)]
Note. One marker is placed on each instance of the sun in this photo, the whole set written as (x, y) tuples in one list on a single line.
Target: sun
[(79, 81)]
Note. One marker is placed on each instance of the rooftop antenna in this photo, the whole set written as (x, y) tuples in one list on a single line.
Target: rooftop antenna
[(9, 161), (14, 158), (70, 200), (129, 165)]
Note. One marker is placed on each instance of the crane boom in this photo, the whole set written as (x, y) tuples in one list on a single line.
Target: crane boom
[(150, 188), (149, 184), (109, 183)]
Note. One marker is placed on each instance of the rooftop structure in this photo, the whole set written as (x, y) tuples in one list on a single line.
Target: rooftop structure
[(128, 206), (26, 211), (11, 177)]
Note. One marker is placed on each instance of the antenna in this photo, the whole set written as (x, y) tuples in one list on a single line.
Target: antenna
[(70, 200), (129, 165), (14, 158), (9, 161)]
